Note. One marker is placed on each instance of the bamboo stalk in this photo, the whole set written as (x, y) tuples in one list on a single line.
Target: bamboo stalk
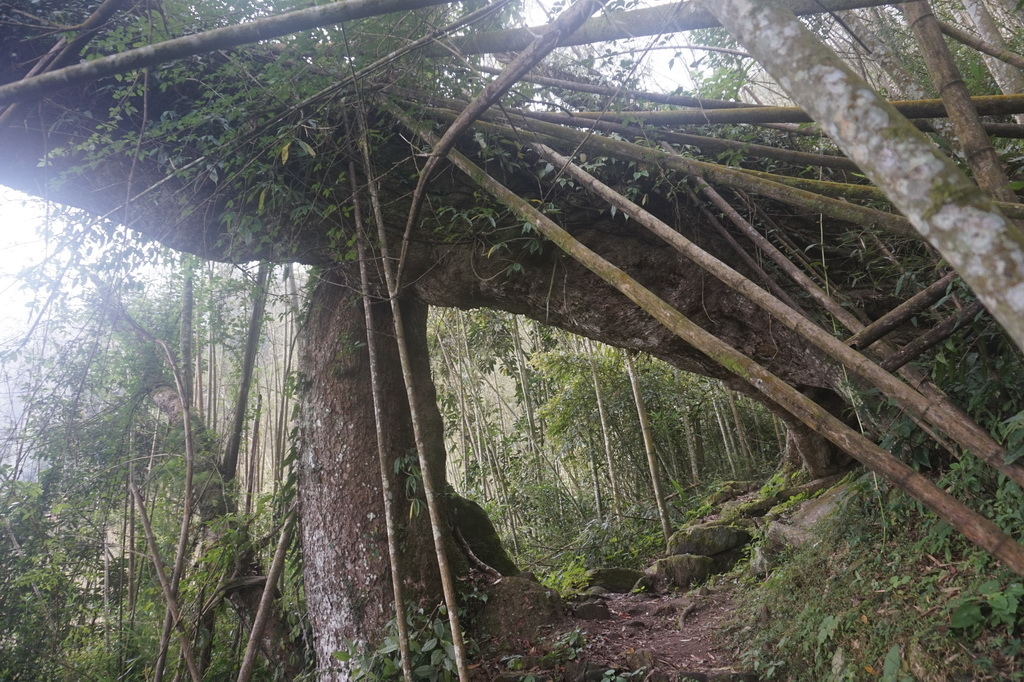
[(390, 516), (978, 151), (229, 466), (943, 204), (266, 599), (933, 408), (780, 188), (971, 40), (933, 336), (606, 439), (652, 457), (169, 592), (431, 490), (901, 313), (972, 525)]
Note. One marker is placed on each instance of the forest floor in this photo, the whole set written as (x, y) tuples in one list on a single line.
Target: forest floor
[(656, 638)]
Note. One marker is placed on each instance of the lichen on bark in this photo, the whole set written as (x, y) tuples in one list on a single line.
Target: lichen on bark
[(943, 205)]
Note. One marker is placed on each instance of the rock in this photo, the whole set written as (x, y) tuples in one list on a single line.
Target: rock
[(725, 561), (593, 610), (673, 606), (614, 579), (749, 508), (640, 658), (707, 539), (781, 534), (645, 585), (683, 570), (799, 528), (760, 563), (476, 528), (517, 610), (730, 490), (584, 671), (596, 591), (809, 488)]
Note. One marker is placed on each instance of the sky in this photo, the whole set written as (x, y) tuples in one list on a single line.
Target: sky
[(21, 246)]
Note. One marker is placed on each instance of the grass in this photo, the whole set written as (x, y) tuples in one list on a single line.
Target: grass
[(888, 593)]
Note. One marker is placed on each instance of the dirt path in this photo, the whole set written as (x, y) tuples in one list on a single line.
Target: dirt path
[(668, 638)]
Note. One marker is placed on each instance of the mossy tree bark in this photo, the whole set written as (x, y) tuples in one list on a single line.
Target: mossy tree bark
[(348, 588), (945, 207), (1008, 77)]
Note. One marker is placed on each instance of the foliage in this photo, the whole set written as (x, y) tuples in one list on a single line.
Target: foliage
[(79, 593), (886, 556), (526, 439), (430, 646), (520, 400)]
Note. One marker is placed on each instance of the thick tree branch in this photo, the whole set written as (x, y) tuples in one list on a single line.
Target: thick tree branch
[(972, 525), (663, 19)]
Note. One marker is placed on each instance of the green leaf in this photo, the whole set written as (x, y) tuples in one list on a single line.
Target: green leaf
[(967, 615), (828, 626), (893, 663)]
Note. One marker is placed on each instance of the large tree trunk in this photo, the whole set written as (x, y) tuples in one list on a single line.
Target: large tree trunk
[(348, 593)]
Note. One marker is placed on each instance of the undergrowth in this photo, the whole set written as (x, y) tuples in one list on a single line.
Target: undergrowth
[(432, 653), (897, 595), (890, 591)]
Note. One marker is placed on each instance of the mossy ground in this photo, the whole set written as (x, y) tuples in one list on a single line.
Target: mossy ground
[(889, 593)]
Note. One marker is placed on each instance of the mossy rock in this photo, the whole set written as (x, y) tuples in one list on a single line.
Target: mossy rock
[(619, 580), (517, 611), (684, 570), (801, 527), (729, 490), (472, 521), (707, 539)]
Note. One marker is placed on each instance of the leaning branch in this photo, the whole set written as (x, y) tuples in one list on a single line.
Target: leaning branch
[(943, 205), (986, 105), (266, 599), (201, 43), (565, 25), (975, 527), (755, 183), (937, 410), (971, 40)]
